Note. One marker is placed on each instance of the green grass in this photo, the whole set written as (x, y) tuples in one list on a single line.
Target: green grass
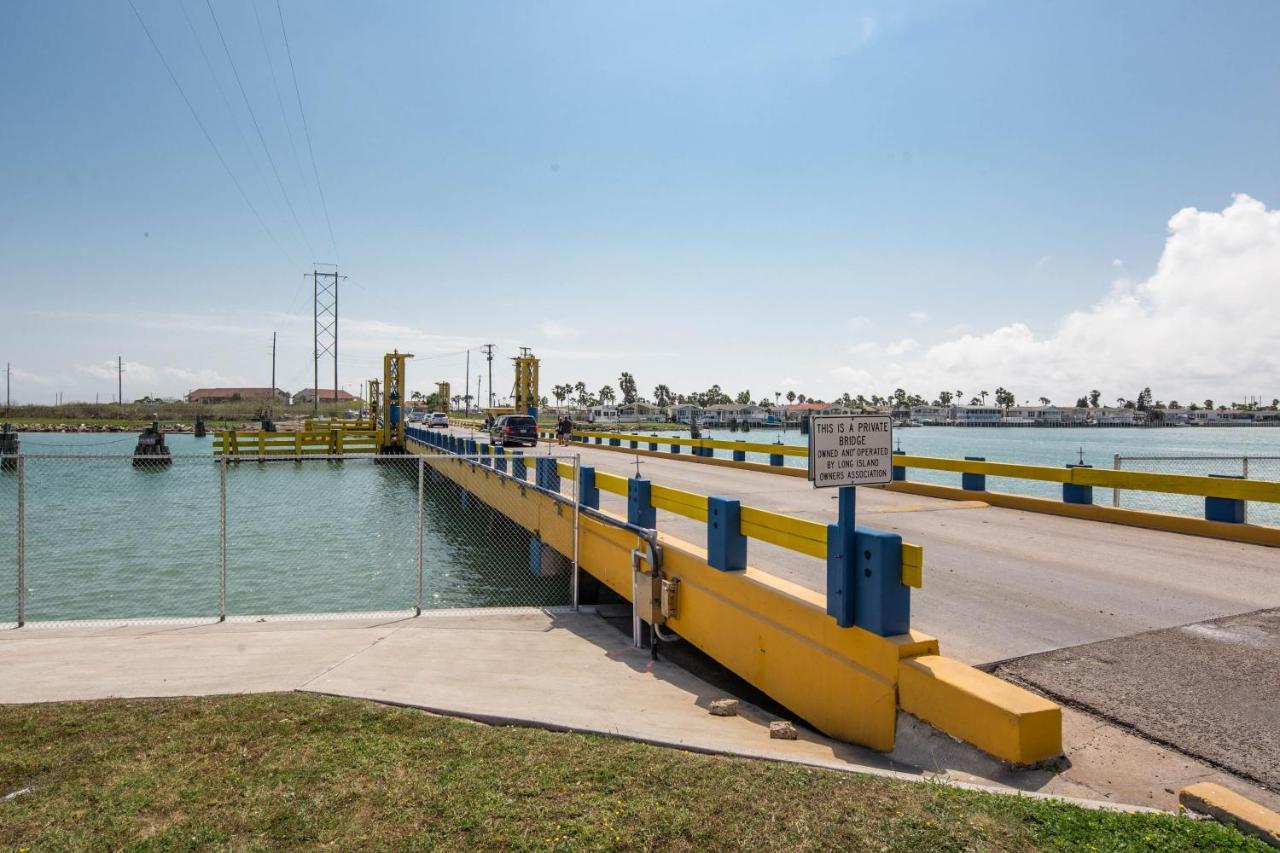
[(299, 771)]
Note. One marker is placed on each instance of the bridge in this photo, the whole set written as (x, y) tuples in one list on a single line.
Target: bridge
[(992, 617)]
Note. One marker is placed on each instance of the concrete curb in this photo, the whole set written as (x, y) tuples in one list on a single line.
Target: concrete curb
[(846, 767), (1229, 808)]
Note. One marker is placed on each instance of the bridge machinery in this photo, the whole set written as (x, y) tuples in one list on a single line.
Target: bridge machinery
[(525, 396), (391, 428), (443, 395)]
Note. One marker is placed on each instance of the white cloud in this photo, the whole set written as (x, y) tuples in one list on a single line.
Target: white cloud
[(554, 331), (1117, 263), (902, 347), (859, 324), (1203, 325), (919, 316)]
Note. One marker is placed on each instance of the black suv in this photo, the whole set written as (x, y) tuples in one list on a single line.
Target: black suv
[(514, 431)]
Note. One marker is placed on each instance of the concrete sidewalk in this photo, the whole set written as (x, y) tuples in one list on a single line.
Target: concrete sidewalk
[(559, 670)]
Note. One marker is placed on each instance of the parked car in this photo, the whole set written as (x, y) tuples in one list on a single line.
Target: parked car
[(514, 431), (438, 419)]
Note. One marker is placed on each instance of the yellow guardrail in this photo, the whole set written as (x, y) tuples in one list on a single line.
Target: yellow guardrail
[(785, 531), (303, 443), (1179, 484)]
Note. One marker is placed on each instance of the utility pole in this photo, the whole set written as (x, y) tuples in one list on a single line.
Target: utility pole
[(273, 367), (488, 351), (466, 397), (120, 381), (8, 373), (325, 327)]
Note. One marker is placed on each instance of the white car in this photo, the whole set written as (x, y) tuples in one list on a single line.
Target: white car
[(438, 419)]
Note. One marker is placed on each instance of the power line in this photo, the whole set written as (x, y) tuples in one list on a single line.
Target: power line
[(270, 160), (307, 132), (217, 82), (275, 85), (208, 138)]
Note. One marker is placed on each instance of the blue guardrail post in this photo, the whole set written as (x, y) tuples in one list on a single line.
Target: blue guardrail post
[(882, 602), (839, 562), (518, 466), (1229, 510), (1073, 494), (499, 458), (588, 492), (546, 474), (974, 482), (864, 574), (899, 473), (640, 509), (739, 456), (726, 546)]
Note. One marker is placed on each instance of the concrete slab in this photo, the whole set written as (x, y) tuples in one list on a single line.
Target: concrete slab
[(567, 671), (1210, 689)]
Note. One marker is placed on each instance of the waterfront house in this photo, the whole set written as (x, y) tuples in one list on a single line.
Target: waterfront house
[(229, 395), (604, 414), (685, 413), (634, 413), (1111, 416), (324, 395), (1044, 415), (977, 415), (931, 415)]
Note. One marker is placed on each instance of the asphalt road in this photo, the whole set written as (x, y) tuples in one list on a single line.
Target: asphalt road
[(998, 583)]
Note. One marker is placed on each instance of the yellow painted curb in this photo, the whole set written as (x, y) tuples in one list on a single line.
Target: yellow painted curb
[(1230, 808), (1000, 718)]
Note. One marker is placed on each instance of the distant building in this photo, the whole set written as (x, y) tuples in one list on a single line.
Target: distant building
[(931, 415), (231, 395), (1109, 416), (325, 395), (1044, 415), (685, 413), (977, 415)]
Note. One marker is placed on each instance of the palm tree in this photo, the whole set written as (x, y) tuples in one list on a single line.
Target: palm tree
[(606, 394), (983, 395), (1044, 401), (791, 396)]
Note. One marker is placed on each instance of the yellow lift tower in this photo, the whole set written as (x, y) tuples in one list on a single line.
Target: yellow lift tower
[(375, 403), (525, 396), (391, 436), (442, 396)]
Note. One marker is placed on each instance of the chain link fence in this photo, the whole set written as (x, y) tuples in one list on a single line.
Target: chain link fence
[(1246, 467), (100, 539)]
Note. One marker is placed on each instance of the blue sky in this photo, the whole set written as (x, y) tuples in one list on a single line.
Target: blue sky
[(765, 196)]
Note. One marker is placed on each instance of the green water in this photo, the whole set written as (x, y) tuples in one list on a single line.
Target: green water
[(106, 540)]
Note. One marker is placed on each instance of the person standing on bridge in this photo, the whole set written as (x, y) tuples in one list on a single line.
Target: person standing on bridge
[(564, 428)]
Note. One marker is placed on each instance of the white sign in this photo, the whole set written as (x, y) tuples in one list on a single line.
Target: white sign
[(850, 450)]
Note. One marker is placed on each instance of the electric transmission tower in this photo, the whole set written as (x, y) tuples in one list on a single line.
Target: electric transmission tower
[(325, 287)]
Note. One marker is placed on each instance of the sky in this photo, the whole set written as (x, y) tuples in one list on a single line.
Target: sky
[(823, 198)]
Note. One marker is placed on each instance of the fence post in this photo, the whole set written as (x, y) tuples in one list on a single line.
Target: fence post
[(577, 484), (417, 607), (22, 541), (1115, 491), (973, 482), (222, 538)]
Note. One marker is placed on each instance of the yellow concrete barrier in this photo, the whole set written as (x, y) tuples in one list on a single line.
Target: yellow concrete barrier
[(776, 634), (1230, 808), (997, 717)]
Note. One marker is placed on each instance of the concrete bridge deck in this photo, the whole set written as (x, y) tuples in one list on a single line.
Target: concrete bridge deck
[(998, 583)]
